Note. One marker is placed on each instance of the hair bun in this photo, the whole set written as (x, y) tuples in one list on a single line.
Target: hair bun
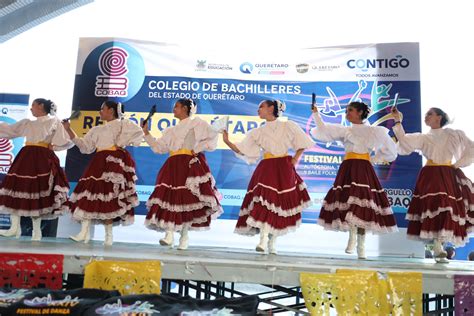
[(281, 106)]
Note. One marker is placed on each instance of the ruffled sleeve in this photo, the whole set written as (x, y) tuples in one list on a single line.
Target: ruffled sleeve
[(160, 145), (87, 144), (131, 134), (206, 137), (13, 130), (61, 140), (250, 150), (298, 138), (465, 155), (386, 148), (407, 143), (327, 132)]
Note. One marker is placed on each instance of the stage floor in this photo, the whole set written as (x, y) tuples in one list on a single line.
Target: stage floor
[(238, 265)]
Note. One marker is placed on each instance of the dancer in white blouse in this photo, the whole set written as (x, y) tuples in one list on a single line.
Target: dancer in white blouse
[(185, 197), (35, 185), (276, 194), (357, 202), (442, 206), (106, 191)]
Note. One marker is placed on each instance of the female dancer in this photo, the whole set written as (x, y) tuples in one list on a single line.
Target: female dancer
[(35, 185), (185, 197), (276, 194), (106, 191), (442, 206), (357, 202)]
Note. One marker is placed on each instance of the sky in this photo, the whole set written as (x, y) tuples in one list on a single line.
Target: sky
[(42, 60)]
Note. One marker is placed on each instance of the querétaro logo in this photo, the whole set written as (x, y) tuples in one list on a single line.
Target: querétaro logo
[(378, 63), (246, 68), (117, 70), (5, 111)]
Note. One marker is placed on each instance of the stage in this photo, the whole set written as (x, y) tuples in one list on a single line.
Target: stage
[(238, 265)]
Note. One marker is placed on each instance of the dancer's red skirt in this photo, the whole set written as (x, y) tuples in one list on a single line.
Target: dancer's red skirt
[(437, 209), (467, 191), (35, 185), (357, 199), (106, 190), (185, 195), (275, 198)]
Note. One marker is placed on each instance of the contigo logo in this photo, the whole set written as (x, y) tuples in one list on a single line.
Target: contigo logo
[(365, 64), (113, 66)]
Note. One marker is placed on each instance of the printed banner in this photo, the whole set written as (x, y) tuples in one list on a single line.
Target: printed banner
[(175, 305), (141, 74), (99, 302), (13, 108), (52, 302)]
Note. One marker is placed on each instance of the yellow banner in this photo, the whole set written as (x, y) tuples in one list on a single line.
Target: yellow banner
[(239, 125), (359, 292), (127, 277)]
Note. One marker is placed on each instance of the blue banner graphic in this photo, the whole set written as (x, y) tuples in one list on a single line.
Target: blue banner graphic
[(142, 74), (13, 108)]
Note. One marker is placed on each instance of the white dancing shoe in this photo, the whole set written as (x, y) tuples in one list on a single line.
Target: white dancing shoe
[(440, 255), (15, 228), (183, 240), (361, 246), (84, 235), (168, 240), (36, 235), (271, 244), (351, 243), (262, 246), (441, 259), (109, 237)]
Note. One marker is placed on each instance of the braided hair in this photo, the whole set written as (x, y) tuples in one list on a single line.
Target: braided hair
[(278, 106), (116, 106), (48, 105), (444, 116), (361, 107), (189, 104)]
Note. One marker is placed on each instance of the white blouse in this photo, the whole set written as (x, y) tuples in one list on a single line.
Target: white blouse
[(440, 145), (275, 137), (191, 133), (119, 133), (358, 138), (44, 129)]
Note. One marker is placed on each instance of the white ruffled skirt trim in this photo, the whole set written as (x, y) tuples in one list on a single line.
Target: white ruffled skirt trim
[(444, 236), (351, 221), (352, 200), (255, 227)]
